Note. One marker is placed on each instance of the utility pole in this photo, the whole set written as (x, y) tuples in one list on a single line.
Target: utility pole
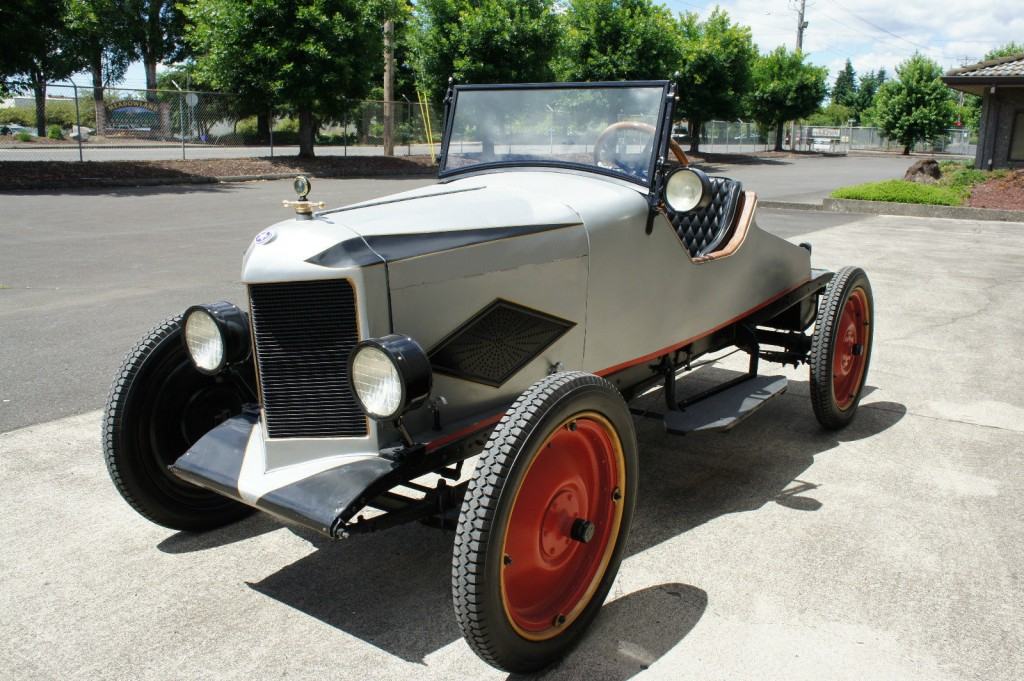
[(800, 26), (389, 87)]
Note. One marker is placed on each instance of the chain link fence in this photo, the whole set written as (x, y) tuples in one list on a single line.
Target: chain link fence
[(729, 137), (843, 139), (72, 123)]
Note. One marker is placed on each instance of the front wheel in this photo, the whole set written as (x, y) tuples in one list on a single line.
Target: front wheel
[(841, 347), (159, 406), (545, 521)]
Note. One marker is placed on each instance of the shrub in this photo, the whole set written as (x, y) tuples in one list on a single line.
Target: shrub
[(902, 191), (246, 127), (55, 133), (18, 114), (23, 137)]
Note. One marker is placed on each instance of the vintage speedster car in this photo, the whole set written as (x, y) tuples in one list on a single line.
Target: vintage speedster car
[(567, 261)]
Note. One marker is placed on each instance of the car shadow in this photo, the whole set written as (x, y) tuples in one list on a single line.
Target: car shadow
[(632, 633), (190, 542), (392, 589)]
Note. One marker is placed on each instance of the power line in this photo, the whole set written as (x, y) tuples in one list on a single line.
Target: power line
[(880, 28)]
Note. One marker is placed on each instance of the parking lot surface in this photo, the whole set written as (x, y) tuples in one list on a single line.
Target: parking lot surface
[(84, 273), (890, 550)]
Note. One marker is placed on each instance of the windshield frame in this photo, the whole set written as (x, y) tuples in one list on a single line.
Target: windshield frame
[(658, 149)]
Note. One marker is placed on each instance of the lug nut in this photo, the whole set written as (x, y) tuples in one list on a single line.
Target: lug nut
[(559, 620)]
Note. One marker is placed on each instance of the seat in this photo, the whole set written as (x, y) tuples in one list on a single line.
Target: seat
[(706, 229)]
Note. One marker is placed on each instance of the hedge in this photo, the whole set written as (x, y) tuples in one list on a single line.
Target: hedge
[(902, 191)]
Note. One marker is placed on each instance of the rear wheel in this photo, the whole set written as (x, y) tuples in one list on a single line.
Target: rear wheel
[(545, 521), (159, 406), (841, 347)]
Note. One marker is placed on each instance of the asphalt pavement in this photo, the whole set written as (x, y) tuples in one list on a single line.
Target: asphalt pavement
[(889, 550), (84, 273)]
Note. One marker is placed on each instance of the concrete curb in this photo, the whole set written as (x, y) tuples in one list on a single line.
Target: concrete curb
[(921, 210), (788, 205)]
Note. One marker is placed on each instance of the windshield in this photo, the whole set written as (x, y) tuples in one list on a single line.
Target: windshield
[(608, 127)]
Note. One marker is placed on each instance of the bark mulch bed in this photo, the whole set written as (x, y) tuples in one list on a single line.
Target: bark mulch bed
[(18, 175), (1006, 193)]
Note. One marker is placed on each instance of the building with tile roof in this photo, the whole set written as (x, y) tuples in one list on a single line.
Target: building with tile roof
[(1000, 84)]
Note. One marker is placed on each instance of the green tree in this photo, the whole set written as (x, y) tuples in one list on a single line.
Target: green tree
[(785, 88), (617, 40), (833, 114), (866, 91), (36, 47), (844, 92), (311, 60), (715, 66), (483, 41), (157, 28), (100, 31), (916, 105)]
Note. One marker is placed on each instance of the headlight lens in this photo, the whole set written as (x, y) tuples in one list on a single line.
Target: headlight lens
[(216, 335), (686, 189), (390, 375), (204, 340), (376, 382)]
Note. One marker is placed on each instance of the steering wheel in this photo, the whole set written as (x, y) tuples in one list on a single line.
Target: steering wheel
[(613, 129)]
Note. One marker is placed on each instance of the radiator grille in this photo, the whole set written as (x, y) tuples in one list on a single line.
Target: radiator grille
[(304, 332)]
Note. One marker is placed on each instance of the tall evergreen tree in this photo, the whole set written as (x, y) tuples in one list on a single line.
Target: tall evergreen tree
[(844, 92)]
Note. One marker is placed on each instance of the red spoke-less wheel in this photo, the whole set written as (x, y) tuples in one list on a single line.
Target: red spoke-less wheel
[(841, 347), (564, 523), (544, 522)]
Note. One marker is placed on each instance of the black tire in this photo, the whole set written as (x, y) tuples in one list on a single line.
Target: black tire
[(849, 294), (538, 415), (159, 405)]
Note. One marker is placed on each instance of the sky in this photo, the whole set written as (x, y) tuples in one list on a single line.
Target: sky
[(873, 34), (877, 34)]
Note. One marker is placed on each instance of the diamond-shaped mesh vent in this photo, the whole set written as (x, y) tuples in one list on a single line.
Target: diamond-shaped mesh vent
[(497, 342)]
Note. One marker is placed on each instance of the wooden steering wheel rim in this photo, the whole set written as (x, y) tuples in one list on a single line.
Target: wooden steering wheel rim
[(677, 150)]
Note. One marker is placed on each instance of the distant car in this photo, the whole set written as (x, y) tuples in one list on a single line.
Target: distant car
[(823, 144), (14, 129), (513, 311)]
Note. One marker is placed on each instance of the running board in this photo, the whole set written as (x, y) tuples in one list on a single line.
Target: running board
[(722, 410)]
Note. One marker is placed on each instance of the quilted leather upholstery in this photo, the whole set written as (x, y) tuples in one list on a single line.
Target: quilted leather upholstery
[(704, 230)]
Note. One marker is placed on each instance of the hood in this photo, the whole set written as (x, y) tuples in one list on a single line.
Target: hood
[(430, 219), (458, 206)]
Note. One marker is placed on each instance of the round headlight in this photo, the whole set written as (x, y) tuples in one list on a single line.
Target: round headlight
[(687, 189), (376, 381), (204, 341), (216, 335), (389, 375)]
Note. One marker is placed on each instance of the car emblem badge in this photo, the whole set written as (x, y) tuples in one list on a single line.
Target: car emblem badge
[(265, 237)]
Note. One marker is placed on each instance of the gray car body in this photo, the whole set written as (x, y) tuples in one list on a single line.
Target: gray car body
[(570, 244)]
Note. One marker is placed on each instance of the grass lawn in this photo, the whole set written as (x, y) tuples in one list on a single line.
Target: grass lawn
[(952, 189)]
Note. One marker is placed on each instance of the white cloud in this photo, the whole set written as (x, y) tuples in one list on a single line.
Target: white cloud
[(948, 32)]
